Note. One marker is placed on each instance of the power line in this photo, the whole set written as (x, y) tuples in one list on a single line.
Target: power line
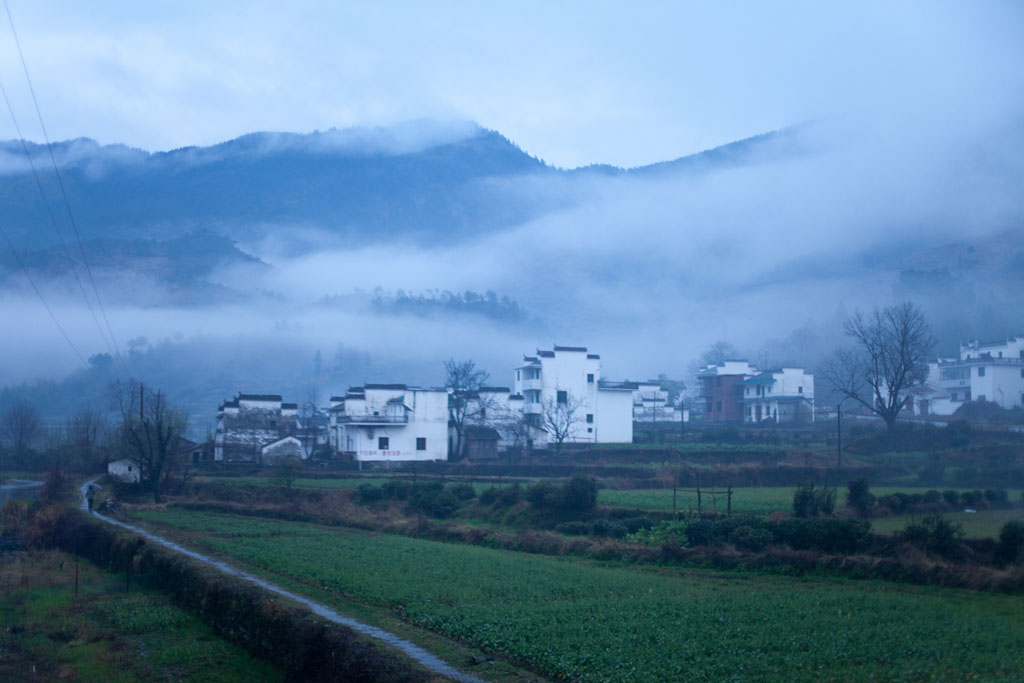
[(40, 295), (67, 204)]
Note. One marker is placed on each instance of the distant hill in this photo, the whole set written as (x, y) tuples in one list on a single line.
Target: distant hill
[(361, 186)]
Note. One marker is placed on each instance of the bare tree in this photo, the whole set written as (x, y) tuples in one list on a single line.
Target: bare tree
[(310, 425), (150, 432), (464, 381), (562, 418), (83, 433), (20, 426), (888, 361)]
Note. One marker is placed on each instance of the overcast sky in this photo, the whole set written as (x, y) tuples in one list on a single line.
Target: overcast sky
[(573, 83)]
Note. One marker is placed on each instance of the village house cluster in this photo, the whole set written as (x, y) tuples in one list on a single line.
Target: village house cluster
[(736, 391), (558, 396)]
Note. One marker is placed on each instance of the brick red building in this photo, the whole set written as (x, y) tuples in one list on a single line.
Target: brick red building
[(722, 391)]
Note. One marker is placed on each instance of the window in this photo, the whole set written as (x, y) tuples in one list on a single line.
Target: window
[(1022, 373), (718, 381), (952, 396), (718, 406), (517, 375), (382, 443), (483, 411), (590, 378), (800, 390), (590, 418), (981, 371), (421, 443), (590, 430), (273, 423), (563, 397), (981, 397)]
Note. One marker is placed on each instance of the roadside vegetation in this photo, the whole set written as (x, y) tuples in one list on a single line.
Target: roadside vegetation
[(66, 619)]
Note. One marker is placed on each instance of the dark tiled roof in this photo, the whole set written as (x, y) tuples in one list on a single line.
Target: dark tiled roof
[(285, 406), (594, 356), (578, 349), (605, 384), (258, 397), (516, 397), (545, 354), (395, 387), (496, 390)]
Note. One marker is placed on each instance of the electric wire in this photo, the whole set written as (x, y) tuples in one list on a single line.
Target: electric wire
[(49, 310), (67, 204)]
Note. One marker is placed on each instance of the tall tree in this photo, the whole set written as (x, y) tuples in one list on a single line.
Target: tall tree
[(464, 381), (888, 360), (150, 432), (20, 426)]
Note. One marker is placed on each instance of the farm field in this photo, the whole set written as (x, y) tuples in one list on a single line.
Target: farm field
[(757, 500), (107, 634), (569, 618), (980, 524)]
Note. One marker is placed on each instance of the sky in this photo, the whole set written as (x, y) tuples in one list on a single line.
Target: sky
[(910, 121), (573, 83)]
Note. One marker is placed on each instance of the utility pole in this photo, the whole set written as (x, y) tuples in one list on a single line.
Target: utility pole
[(839, 433)]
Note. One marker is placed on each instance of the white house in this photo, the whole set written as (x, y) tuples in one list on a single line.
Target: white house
[(125, 469), (985, 371), (288, 447), (249, 422), (782, 396), (567, 382), (390, 423), (651, 404)]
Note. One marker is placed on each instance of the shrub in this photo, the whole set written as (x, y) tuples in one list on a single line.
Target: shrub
[(700, 532), (579, 494), (971, 498), (1011, 541), (892, 501), (434, 500), (935, 534), (542, 494), (859, 496), (56, 486), (951, 496), (463, 491), (396, 489), (488, 496), (604, 527), (747, 537), (932, 497), (368, 493), (635, 524), (809, 501), (510, 495), (996, 496), (573, 528), (12, 515), (825, 535)]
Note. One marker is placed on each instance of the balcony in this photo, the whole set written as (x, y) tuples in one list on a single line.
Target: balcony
[(532, 385), (533, 409), (373, 419)]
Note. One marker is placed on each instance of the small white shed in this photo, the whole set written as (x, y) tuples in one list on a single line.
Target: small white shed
[(125, 469)]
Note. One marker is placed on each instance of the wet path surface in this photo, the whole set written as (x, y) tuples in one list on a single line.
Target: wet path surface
[(414, 651)]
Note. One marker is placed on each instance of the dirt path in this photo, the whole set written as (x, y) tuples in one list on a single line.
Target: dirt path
[(414, 651)]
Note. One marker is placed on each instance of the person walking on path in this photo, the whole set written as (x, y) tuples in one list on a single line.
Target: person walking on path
[(90, 495)]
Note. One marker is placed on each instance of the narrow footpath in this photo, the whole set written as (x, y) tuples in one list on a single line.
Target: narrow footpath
[(414, 651)]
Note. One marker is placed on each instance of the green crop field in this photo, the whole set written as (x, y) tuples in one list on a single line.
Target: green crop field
[(568, 618), (980, 524), (105, 633)]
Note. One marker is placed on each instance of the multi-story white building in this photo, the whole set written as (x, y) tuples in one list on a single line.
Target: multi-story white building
[(651, 404), (986, 371), (390, 423), (565, 384), (782, 396), (249, 422)]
